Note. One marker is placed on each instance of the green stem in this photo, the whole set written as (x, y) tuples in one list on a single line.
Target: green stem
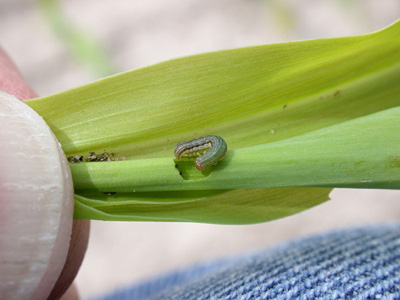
[(361, 153)]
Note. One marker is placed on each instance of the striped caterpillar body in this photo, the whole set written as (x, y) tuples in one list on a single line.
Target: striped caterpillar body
[(209, 149)]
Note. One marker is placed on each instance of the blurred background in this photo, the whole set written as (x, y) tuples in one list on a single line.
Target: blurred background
[(58, 45)]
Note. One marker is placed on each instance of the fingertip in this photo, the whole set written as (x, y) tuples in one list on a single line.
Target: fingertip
[(36, 203), (13, 83)]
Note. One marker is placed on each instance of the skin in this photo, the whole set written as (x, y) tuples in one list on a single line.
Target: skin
[(55, 252)]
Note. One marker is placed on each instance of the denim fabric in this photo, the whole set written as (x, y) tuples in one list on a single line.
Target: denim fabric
[(361, 263), (143, 291)]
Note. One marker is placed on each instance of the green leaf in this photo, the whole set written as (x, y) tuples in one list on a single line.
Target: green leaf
[(304, 114), (364, 152), (221, 207)]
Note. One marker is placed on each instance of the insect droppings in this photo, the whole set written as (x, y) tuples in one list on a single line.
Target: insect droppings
[(209, 149)]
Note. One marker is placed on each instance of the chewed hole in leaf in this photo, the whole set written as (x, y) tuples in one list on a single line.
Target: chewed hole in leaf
[(188, 171)]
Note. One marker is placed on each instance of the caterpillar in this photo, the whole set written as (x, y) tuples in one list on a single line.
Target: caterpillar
[(209, 149)]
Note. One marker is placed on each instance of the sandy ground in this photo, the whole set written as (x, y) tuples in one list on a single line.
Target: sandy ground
[(139, 33)]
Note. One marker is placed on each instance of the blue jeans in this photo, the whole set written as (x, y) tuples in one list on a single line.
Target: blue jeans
[(361, 263)]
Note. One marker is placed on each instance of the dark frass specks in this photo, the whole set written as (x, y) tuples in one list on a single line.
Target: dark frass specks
[(92, 156)]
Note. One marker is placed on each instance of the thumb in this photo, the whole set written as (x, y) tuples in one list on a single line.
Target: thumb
[(36, 203)]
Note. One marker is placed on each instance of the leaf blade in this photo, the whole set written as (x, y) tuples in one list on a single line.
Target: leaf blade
[(274, 97), (239, 94), (227, 207)]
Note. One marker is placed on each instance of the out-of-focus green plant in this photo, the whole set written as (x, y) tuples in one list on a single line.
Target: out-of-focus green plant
[(299, 118), (80, 44)]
